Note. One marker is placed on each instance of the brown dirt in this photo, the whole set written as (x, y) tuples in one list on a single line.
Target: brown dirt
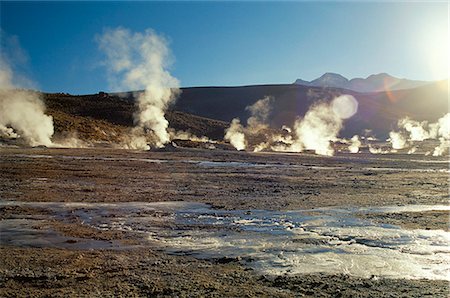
[(41, 272), (429, 220), (84, 175), (7, 212)]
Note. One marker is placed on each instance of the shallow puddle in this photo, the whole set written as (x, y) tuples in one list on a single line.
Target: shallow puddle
[(322, 240)]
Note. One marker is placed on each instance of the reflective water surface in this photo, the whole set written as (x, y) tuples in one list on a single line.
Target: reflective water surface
[(273, 242)]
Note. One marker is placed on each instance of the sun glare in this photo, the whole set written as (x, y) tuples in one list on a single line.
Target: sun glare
[(435, 51)]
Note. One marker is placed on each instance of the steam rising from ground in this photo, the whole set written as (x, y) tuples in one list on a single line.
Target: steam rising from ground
[(260, 112), (186, 135), (322, 123), (22, 112), (411, 131), (355, 144), (140, 60), (320, 128), (22, 115), (398, 140), (70, 140), (315, 131), (378, 150), (237, 134)]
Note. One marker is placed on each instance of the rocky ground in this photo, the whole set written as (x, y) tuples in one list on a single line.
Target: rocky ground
[(43, 272), (428, 220), (251, 181)]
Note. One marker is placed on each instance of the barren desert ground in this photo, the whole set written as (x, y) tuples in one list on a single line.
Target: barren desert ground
[(106, 222)]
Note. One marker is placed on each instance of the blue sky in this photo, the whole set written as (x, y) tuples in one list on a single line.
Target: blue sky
[(231, 43)]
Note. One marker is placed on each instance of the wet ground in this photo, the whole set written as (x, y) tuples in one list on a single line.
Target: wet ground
[(270, 224)]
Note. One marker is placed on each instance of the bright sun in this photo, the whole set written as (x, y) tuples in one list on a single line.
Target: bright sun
[(435, 50)]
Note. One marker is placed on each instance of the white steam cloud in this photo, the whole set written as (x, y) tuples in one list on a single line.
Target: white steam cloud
[(378, 150), (22, 112), (398, 140), (411, 131), (260, 112), (315, 131), (140, 60), (235, 135), (444, 126), (418, 130), (322, 123), (355, 143), (442, 148), (188, 136)]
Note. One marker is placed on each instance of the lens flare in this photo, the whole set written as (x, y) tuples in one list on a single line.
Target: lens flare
[(345, 106)]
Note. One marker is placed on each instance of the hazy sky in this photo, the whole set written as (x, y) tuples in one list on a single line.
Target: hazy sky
[(230, 43)]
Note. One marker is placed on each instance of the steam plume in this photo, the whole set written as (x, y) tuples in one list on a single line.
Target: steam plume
[(315, 131), (398, 140), (140, 60), (285, 142), (418, 130), (322, 124), (70, 140), (442, 148), (260, 112), (414, 131), (8, 132), (22, 112), (235, 135), (185, 135), (444, 133), (444, 126), (378, 150), (355, 144), (261, 146), (412, 150)]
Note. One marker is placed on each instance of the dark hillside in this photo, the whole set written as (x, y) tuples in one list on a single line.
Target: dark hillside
[(104, 117), (206, 111), (378, 111)]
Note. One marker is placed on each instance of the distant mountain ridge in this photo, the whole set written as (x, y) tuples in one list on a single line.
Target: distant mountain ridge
[(373, 83), (377, 111), (207, 111)]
